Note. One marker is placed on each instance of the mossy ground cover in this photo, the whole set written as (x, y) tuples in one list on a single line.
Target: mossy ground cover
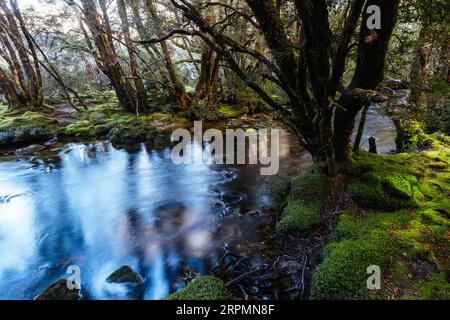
[(29, 127), (399, 221), (307, 198), (205, 288), (230, 112), (99, 123)]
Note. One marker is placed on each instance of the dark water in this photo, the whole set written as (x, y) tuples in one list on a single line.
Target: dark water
[(99, 208)]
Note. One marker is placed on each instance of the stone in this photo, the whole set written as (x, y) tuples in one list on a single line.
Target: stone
[(60, 291), (124, 275), (29, 150)]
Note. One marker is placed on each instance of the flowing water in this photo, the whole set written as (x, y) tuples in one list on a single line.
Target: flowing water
[(99, 207)]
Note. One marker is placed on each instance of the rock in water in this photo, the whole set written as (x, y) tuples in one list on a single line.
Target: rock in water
[(29, 150), (124, 275), (59, 291)]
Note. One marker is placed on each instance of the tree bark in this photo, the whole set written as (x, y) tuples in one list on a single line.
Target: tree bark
[(110, 63), (138, 83), (369, 73), (178, 88)]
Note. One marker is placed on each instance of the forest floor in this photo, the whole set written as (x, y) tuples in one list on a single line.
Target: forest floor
[(101, 121)]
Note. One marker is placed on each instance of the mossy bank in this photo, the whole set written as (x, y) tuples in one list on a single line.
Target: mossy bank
[(396, 217)]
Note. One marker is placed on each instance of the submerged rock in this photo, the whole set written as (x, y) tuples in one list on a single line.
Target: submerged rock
[(29, 150), (60, 291), (124, 275)]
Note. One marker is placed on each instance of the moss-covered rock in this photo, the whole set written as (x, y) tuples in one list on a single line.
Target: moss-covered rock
[(381, 187), (343, 273), (307, 200), (85, 129), (398, 186), (125, 275), (205, 288), (299, 216), (59, 291), (27, 128)]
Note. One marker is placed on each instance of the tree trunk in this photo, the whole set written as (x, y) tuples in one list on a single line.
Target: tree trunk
[(26, 71), (110, 62), (361, 127), (138, 83), (178, 88), (369, 73), (14, 101)]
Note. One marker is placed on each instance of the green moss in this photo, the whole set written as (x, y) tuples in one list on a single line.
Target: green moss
[(27, 128), (311, 187), (374, 196), (352, 227), (230, 112), (85, 129), (343, 273), (419, 232), (436, 289), (298, 216), (205, 288), (398, 186), (430, 216), (307, 200)]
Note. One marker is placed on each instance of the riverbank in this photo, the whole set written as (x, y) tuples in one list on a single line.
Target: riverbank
[(391, 212), (99, 123)]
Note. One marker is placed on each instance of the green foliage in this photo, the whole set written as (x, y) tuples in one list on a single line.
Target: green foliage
[(410, 137), (27, 128), (205, 288), (200, 110)]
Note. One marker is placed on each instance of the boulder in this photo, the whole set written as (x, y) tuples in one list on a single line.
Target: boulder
[(29, 150), (60, 291), (125, 275)]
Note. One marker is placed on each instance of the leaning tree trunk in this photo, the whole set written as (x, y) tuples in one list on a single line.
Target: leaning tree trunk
[(25, 70), (178, 88), (107, 59), (138, 83)]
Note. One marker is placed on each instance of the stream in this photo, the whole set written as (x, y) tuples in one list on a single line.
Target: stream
[(100, 207)]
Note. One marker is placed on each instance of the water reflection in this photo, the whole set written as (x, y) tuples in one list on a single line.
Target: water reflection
[(100, 208)]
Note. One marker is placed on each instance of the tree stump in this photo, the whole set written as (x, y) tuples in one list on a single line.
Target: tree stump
[(373, 145)]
